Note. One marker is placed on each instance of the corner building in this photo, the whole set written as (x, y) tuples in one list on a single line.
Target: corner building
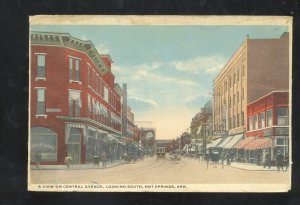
[(258, 67), (75, 105)]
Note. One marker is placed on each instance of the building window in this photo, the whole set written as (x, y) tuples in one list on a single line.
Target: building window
[(89, 105), (71, 68), (233, 100), (106, 94), (255, 125), (269, 118), (242, 120), (234, 79), (238, 120), (43, 144), (243, 71), (229, 82), (238, 75), (282, 116), (74, 103), (237, 97), (225, 86), (89, 75), (41, 66), (233, 124), (74, 69), (77, 68), (40, 101), (262, 120), (101, 87), (250, 126), (243, 94)]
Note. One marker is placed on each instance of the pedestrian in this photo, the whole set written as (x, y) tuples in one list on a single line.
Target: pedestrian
[(267, 160), (279, 160), (38, 158), (103, 158), (111, 157), (68, 161), (231, 156), (286, 162), (258, 159), (228, 158)]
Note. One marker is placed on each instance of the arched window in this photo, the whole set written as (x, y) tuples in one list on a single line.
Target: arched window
[(43, 141)]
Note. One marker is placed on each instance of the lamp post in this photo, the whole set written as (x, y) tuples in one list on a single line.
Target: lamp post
[(205, 136)]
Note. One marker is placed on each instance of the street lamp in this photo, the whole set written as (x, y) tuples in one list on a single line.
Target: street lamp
[(205, 136)]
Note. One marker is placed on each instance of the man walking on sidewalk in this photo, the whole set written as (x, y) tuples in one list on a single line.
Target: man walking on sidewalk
[(267, 160), (279, 160), (103, 158)]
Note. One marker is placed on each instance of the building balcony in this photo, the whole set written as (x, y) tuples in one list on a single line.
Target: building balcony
[(89, 121)]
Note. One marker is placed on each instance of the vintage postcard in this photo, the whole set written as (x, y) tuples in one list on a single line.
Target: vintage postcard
[(160, 103)]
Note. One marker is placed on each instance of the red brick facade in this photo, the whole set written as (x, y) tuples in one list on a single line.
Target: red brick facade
[(95, 87), (271, 101)]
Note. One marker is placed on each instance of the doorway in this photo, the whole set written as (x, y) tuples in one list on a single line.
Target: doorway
[(74, 145), (74, 152)]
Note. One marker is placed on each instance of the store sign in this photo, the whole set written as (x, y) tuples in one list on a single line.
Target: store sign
[(282, 131), (220, 133), (49, 156)]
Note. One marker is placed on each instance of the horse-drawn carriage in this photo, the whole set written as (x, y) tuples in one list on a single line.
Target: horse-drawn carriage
[(214, 156), (129, 157)]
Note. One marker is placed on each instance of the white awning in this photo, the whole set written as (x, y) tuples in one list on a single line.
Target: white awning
[(111, 138), (235, 139), (214, 143), (199, 130), (225, 142)]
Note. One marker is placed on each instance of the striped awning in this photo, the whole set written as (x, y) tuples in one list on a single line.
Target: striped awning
[(214, 143), (243, 143), (225, 142), (260, 143), (235, 139)]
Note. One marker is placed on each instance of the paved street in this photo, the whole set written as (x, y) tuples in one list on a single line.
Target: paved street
[(153, 170)]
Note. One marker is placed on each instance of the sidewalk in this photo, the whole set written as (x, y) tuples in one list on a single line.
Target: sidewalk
[(251, 167), (78, 166)]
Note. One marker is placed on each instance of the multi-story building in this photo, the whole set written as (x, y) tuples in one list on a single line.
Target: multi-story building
[(258, 67), (148, 138), (201, 127), (130, 123), (75, 106), (268, 120)]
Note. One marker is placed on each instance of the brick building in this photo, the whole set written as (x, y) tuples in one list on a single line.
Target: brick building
[(75, 104), (258, 67), (268, 121)]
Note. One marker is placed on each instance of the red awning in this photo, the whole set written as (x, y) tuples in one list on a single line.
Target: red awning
[(260, 143), (243, 143)]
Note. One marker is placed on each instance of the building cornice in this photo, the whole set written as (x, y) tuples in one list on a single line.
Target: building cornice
[(68, 41), (267, 95)]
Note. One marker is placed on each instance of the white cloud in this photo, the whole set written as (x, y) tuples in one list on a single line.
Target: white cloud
[(102, 49), (147, 101), (145, 72), (207, 64), (83, 37)]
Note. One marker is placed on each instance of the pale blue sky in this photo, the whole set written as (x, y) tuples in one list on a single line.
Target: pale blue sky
[(169, 70)]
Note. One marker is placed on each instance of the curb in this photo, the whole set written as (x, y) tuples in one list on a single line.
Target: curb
[(78, 168), (252, 169)]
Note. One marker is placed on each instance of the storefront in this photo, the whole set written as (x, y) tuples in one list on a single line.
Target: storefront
[(43, 142)]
